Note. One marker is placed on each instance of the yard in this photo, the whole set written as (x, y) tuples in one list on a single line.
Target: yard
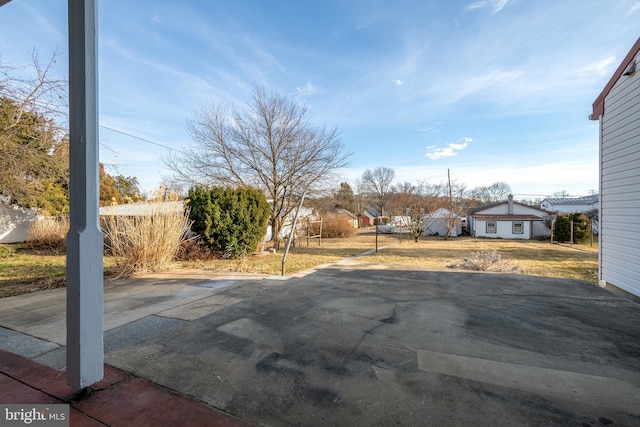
[(24, 270)]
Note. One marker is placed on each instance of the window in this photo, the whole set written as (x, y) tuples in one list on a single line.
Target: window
[(491, 227), (518, 228)]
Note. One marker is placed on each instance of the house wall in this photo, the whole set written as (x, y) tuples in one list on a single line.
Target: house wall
[(504, 230), (532, 229), (439, 226), (366, 221), (620, 185), (14, 223)]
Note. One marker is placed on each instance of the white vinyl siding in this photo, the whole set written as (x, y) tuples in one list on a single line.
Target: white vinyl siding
[(620, 185), (503, 229)]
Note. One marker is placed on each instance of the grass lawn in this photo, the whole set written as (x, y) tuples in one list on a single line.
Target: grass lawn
[(25, 270)]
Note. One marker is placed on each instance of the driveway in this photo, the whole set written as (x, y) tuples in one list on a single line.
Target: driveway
[(357, 344)]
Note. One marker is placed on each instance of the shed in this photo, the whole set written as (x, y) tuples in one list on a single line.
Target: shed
[(617, 109), (437, 223), (369, 216)]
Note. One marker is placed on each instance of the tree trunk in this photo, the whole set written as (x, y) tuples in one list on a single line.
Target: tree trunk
[(276, 227)]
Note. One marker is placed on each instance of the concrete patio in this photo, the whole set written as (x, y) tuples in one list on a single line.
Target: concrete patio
[(355, 344)]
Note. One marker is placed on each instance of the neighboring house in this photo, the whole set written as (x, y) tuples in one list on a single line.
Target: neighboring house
[(369, 216), (617, 109), (508, 220), (353, 220), (438, 222), (570, 204), (15, 222)]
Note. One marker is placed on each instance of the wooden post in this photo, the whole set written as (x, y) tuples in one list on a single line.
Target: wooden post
[(85, 345), (293, 230), (571, 233)]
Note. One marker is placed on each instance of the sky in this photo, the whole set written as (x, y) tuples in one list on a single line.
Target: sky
[(491, 90)]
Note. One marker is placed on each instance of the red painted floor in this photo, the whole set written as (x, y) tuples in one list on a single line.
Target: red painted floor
[(120, 399)]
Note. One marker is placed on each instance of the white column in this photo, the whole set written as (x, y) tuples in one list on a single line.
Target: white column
[(85, 346)]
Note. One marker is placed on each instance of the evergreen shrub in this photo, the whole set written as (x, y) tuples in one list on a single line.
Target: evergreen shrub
[(230, 221)]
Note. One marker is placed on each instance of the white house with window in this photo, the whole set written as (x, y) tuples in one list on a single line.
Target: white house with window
[(509, 220)]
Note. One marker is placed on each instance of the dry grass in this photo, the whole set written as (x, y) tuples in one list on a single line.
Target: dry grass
[(534, 257), (49, 232), (300, 257), (145, 244)]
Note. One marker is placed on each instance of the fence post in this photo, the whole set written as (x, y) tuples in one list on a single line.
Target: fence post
[(572, 233)]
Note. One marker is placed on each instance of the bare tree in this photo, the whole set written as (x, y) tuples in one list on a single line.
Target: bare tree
[(562, 194), (496, 192), (270, 145), (378, 184), (457, 205), (418, 204)]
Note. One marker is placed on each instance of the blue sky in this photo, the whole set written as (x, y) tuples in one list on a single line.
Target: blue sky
[(494, 90)]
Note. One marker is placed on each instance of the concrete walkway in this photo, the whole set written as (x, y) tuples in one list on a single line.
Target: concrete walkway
[(353, 344)]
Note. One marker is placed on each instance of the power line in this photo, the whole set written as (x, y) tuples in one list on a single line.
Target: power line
[(142, 139)]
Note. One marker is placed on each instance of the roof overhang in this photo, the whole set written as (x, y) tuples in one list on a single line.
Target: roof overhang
[(598, 105), (507, 217)]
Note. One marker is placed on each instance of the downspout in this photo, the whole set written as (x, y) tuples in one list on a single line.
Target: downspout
[(601, 281)]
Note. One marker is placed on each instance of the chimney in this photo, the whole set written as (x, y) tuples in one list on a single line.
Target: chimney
[(510, 204)]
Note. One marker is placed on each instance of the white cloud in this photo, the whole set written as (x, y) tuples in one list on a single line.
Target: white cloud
[(399, 82), (601, 68), (307, 90), (434, 152), (496, 5), (634, 8)]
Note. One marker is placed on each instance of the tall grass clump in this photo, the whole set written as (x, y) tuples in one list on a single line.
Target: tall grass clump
[(49, 232), (337, 226), (146, 243)]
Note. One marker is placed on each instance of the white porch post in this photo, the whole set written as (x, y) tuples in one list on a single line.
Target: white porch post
[(85, 346)]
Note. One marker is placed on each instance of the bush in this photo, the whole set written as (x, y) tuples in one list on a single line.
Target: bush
[(49, 232), (562, 227), (337, 226), (146, 243), (194, 250), (231, 222), (487, 261)]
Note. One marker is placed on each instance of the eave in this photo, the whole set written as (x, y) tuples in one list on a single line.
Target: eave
[(598, 105)]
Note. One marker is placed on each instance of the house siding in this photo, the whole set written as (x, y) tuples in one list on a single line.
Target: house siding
[(620, 184), (504, 229)]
